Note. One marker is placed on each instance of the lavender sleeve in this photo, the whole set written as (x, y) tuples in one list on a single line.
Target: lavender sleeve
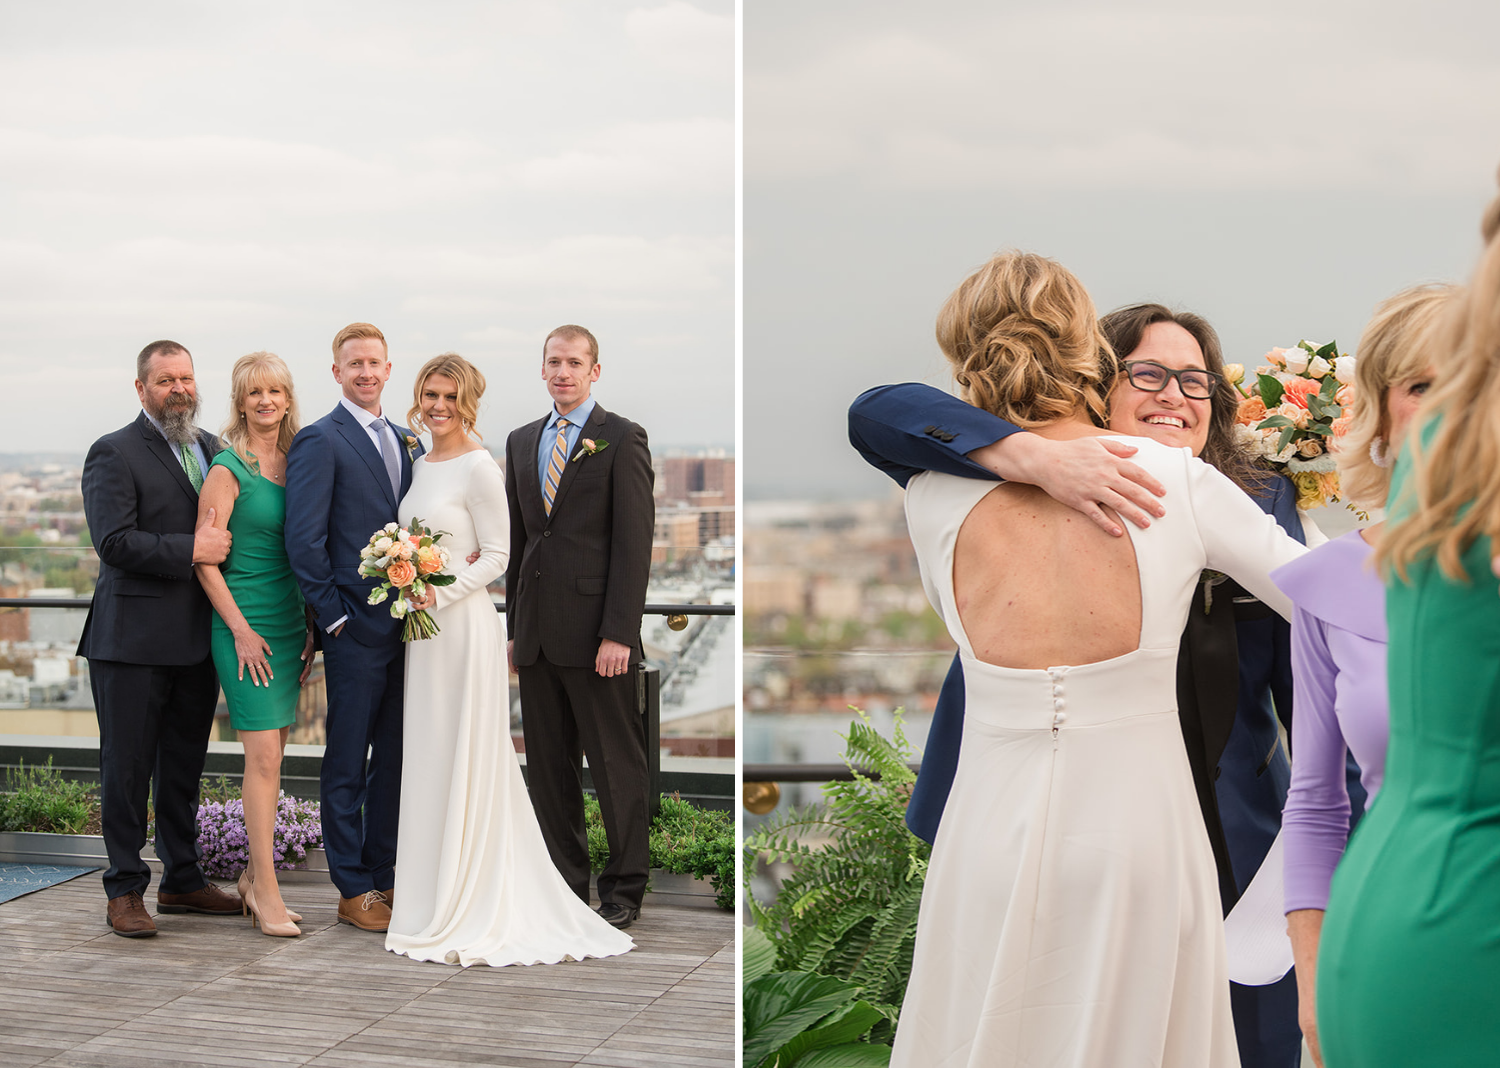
[(1315, 823)]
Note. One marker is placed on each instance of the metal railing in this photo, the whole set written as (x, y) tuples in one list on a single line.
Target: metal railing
[(648, 679)]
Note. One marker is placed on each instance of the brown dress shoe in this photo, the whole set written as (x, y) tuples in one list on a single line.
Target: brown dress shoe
[(127, 916), (211, 901), (368, 912)]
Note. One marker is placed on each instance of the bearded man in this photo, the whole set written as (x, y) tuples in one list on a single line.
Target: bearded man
[(147, 641)]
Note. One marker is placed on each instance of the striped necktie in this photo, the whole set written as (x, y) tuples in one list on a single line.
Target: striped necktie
[(555, 465), (190, 465)]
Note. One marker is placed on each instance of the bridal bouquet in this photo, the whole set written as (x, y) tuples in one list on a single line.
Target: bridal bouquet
[(1294, 411), (406, 559)]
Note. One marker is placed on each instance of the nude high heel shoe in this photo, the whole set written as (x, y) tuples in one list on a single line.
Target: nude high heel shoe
[(244, 885), (276, 930)]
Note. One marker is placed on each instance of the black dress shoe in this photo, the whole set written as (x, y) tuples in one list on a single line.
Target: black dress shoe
[(621, 916)]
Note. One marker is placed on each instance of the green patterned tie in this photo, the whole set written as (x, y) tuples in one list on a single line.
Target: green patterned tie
[(190, 465)]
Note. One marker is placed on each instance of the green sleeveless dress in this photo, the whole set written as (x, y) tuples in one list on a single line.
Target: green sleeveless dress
[(266, 592), (1409, 961)]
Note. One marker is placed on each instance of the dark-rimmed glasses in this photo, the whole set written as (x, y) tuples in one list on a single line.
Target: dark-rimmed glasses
[(1195, 383)]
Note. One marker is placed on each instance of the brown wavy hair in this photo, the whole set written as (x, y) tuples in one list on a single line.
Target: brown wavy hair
[(1024, 341), (1453, 490), (470, 388)]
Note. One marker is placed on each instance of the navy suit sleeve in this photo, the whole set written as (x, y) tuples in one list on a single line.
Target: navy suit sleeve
[(911, 427), (309, 511), (112, 511)]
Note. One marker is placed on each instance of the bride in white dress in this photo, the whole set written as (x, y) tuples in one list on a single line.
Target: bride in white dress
[(1071, 913), (474, 882)]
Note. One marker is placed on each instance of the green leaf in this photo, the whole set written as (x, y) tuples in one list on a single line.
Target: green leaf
[(854, 1055), (441, 580), (839, 1028), (1314, 428), (1329, 351), (758, 954), (1286, 437), (1271, 390), (780, 1005), (1270, 422), (1329, 388)]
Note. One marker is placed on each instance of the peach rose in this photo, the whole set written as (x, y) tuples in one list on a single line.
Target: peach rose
[(1307, 448), (402, 549), (1344, 395), (1276, 357), (1297, 390), (428, 560), (400, 573), (1252, 410), (1340, 426)]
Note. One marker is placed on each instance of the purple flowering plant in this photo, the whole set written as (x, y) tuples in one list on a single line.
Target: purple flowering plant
[(226, 847)]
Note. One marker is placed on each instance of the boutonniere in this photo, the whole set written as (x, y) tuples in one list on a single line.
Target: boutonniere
[(412, 443), (589, 447)]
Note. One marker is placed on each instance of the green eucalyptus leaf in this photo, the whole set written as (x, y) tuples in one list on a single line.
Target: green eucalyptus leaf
[(1271, 389), (1286, 437), (1329, 388), (1270, 422)]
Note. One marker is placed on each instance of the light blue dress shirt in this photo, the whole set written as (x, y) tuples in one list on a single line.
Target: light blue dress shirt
[(577, 418)]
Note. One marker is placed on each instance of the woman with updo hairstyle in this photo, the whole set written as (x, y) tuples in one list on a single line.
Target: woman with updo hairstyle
[(261, 641), (1409, 960), (474, 881), (1071, 907), (1338, 633)]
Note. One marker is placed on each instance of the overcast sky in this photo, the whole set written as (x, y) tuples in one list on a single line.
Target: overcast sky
[(1278, 167), (464, 175)]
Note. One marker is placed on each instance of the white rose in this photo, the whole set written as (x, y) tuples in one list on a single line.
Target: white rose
[(1343, 370), (391, 528), (1296, 360), (384, 545), (1317, 367)]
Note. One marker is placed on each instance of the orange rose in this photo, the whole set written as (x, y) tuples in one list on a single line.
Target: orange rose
[(402, 549), (428, 560), (1344, 396), (1252, 410), (1340, 426), (400, 573)]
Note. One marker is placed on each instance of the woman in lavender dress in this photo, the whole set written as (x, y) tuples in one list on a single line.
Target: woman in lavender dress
[(1338, 632)]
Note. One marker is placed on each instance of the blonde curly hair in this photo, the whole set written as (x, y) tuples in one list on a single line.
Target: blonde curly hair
[(1024, 341)]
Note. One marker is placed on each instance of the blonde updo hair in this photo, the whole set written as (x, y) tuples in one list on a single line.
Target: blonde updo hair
[(1454, 483), (470, 388), (259, 370), (1024, 341), (1396, 347)]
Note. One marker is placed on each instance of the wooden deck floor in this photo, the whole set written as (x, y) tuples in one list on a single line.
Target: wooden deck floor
[(212, 991)]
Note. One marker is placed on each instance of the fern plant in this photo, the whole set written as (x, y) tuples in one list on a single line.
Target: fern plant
[(849, 908)]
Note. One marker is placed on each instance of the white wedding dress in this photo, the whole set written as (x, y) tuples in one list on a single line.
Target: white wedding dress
[(1071, 916), (474, 883)]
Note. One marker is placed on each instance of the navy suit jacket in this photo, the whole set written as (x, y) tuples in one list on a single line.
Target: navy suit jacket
[(1229, 703), (337, 495)]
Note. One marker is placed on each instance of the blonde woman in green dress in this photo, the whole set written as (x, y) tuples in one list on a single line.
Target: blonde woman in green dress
[(262, 647), (1409, 961)]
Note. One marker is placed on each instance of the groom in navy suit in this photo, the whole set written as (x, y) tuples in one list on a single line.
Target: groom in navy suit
[(345, 476)]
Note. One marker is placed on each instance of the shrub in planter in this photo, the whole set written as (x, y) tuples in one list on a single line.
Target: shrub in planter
[(849, 908), (40, 799), (685, 840), (226, 847)]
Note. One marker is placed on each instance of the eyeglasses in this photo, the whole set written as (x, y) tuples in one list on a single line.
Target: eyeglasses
[(1153, 378)]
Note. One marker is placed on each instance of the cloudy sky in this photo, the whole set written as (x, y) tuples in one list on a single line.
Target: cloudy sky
[(1278, 167), (466, 175)]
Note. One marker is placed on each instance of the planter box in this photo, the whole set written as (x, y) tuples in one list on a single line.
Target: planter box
[(87, 850)]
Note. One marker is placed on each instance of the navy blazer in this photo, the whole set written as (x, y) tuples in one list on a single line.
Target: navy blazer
[(142, 511), (337, 495)]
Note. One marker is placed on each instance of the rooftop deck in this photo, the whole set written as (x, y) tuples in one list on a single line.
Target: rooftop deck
[(213, 991)]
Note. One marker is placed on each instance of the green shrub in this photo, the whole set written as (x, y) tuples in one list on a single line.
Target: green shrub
[(218, 790), (685, 839), (849, 908), (40, 799)]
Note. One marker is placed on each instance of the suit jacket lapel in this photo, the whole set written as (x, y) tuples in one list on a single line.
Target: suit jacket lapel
[(528, 481), (359, 438), (570, 469), (162, 449)]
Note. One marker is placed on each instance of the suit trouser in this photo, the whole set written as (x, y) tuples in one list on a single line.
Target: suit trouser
[(361, 797), (154, 724), (569, 711)]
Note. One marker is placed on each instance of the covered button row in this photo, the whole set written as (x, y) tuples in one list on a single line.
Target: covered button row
[(1058, 715)]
